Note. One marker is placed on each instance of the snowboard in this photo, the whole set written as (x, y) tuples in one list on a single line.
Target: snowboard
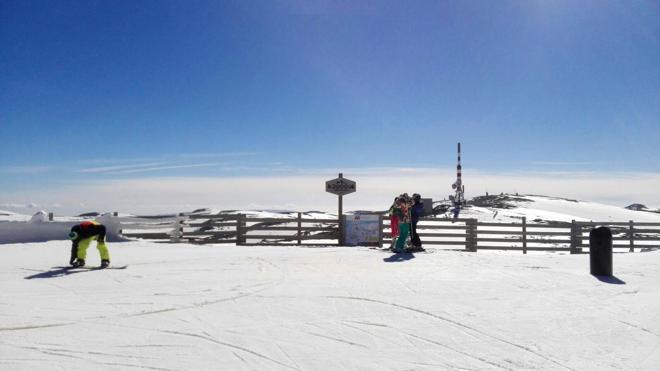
[(92, 268), (407, 251)]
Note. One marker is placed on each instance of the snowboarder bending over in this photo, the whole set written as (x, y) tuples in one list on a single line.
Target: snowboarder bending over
[(81, 236)]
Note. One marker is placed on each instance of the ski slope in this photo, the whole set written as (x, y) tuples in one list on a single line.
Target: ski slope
[(185, 307)]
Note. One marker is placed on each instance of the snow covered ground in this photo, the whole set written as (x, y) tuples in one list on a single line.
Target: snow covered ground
[(185, 307), (544, 208)]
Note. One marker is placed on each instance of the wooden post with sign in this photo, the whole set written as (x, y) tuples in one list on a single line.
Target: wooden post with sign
[(340, 186)]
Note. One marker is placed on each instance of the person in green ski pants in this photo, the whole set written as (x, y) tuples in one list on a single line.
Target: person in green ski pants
[(82, 236), (402, 211)]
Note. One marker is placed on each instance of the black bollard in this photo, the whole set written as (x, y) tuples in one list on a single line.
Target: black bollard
[(600, 251)]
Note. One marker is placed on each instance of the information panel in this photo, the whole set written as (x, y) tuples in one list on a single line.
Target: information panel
[(361, 230)]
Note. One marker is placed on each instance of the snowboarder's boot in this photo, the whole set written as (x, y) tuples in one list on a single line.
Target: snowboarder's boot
[(78, 263), (105, 263)]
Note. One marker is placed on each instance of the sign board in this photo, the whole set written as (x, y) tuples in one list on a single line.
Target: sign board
[(361, 230), (340, 186), (428, 206)]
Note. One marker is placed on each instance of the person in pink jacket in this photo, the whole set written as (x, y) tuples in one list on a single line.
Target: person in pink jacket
[(394, 223)]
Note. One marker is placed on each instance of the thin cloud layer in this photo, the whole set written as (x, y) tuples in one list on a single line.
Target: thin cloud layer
[(376, 188)]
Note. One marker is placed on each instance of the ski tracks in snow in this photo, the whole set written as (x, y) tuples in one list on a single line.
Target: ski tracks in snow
[(458, 324), (481, 359), (211, 339), (410, 335), (263, 286), (80, 356), (640, 328), (34, 327)]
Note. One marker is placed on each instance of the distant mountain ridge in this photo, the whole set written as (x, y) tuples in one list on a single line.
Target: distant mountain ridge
[(641, 207), (494, 208)]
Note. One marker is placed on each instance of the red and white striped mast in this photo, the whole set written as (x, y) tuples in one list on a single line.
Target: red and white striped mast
[(459, 196), (458, 184)]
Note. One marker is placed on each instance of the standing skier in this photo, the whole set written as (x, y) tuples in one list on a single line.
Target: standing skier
[(416, 211), (81, 236), (402, 211), (457, 208), (394, 223)]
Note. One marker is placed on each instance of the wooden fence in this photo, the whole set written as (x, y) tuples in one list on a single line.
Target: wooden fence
[(290, 231), (446, 233), (472, 235), (235, 228), (157, 228), (460, 234)]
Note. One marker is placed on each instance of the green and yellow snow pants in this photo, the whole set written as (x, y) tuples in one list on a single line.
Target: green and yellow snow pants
[(100, 245)]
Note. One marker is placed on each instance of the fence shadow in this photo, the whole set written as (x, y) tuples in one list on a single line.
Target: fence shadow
[(399, 257), (610, 279)]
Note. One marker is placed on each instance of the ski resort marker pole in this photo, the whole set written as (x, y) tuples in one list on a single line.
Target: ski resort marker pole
[(340, 186), (459, 195)]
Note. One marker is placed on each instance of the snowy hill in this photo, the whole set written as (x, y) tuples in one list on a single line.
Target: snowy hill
[(13, 217), (503, 208), (543, 209)]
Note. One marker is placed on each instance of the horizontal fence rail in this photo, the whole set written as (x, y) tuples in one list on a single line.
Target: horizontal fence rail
[(295, 231), (149, 227), (573, 237), (234, 228), (449, 233), (462, 234)]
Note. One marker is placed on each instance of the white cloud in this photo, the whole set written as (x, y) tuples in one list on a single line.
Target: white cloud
[(167, 157), (376, 187), (164, 167), (214, 155), (27, 169), (110, 169), (165, 162), (568, 163)]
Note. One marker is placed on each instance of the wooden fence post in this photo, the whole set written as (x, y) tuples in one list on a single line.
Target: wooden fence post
[(340, 241), (632, 236), (576, 232), (181, 223), (241, 229), (299, 228), (524, 234), (177, 231), (474, 234), (471, 235), (380, 230), (174, 237)]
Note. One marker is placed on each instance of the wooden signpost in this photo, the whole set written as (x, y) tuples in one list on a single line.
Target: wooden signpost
[(340, 186)]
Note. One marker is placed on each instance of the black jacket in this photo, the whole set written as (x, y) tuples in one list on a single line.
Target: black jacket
[(87, 230)]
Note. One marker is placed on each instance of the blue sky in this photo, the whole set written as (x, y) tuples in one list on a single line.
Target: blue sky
[(94, 91)]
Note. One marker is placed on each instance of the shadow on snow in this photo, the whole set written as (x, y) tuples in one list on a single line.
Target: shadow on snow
[(399, 257), (610, 279), (57, 272)]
